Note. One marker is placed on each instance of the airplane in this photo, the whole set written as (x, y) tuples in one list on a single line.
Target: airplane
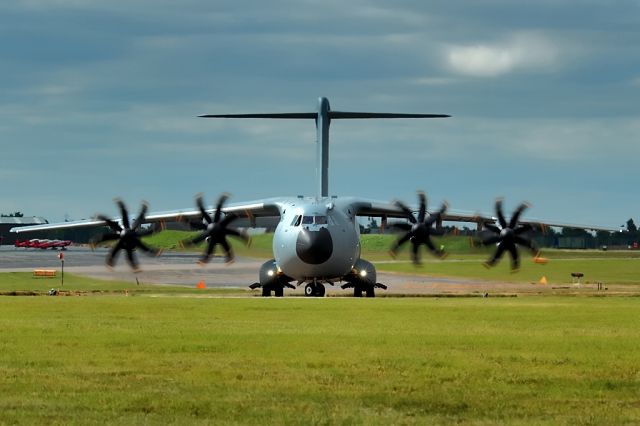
[(22, 244), (43, 244), (32, 243), (317, 239), (60, 244)]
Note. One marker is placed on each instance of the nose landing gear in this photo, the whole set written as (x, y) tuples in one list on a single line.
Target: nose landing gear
[(314, 289)]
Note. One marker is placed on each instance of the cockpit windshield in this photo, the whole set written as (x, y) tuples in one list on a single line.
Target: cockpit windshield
[(309, 220), (320, 220)]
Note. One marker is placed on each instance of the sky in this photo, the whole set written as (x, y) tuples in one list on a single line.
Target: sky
[(99, 99)]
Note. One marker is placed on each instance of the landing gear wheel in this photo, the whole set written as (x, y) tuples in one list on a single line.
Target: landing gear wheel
[(357, 292), (278, 291), (309, 290), (371, 292), (266, 291), (314, 290)]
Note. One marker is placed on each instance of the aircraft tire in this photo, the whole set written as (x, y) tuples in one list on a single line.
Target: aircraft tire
[(320, 290), (278, 291), (371, 292), (357, 292), (309, 290), (266, 291)]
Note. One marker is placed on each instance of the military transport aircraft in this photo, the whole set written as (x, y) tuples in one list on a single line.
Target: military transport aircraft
[(317, 239)]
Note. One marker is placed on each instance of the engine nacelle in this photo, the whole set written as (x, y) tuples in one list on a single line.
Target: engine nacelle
[(363, 273), (271, 279), (268, 274)]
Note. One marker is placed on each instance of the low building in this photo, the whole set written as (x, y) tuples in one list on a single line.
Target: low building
[(6, 223)]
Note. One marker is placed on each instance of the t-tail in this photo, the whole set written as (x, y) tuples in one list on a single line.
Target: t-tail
[(323, 117)]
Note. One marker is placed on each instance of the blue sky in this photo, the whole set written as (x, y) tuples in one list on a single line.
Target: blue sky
[(99, 100)]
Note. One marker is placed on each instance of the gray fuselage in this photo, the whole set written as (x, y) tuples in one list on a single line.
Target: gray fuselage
[(316, 239)]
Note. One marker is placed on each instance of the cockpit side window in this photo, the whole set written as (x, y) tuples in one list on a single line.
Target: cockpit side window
[(296, 220), (307, 220)]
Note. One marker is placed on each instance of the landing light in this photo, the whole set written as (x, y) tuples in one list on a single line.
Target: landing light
[(270, 272), (363, 273)]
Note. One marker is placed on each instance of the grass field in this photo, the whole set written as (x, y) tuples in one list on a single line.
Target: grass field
[(134, 360), (608, 267), (23, 284), (127, 354)]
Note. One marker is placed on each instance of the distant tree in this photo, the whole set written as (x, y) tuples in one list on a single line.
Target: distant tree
[(575, 232), (16, 214), (631, 227), (603, 238)]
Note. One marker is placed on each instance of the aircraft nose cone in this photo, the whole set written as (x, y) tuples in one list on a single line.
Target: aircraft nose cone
[(314, 247)]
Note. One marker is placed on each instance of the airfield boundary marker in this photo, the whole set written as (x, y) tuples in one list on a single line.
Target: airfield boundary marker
[(44, 273)]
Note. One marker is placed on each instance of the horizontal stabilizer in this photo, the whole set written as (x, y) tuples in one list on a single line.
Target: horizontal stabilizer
[(353, 115), (290, 115), (332, 115)]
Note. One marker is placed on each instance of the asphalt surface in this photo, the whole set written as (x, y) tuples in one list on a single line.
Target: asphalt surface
[(182, 269)]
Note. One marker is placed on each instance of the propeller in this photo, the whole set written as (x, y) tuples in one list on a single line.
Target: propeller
[(215, 230), (128, 236), (508, 236), (419, 230)]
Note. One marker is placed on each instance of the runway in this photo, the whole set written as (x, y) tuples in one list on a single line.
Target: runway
[(181, 268)]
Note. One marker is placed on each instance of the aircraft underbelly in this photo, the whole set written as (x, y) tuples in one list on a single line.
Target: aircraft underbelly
[(299, 270)]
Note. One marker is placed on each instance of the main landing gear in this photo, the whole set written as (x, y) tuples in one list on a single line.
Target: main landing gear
[(368, 290), (276, 288)]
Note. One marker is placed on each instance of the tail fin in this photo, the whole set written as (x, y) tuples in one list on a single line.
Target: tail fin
[(323, 118)]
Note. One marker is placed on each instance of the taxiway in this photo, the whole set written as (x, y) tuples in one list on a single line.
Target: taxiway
[(181, 268)]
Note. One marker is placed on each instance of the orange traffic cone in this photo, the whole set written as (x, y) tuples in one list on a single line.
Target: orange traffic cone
[(201, 284)]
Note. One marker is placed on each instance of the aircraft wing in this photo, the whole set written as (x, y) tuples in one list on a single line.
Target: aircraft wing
[(62, 225), (249, 210), (536, 223), (368, 208)]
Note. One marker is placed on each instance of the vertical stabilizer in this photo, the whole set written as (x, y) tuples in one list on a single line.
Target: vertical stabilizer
[(322, 157)]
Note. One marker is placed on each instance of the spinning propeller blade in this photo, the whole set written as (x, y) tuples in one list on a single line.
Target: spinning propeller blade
[(128, 236), (420, 230), (508, 236), (215, 230)]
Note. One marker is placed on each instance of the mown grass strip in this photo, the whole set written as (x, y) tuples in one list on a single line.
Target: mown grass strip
[(120, 360), (23, 283)]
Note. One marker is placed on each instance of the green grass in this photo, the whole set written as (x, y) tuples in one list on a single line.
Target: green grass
[(608, 267), (376, 247), (23, 283), (134, 360), (261, 245), (557, 271)]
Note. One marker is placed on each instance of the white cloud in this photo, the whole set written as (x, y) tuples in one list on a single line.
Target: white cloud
[(521, 52)]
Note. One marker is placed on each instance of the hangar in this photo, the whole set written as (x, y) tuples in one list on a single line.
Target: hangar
[(8, 222)]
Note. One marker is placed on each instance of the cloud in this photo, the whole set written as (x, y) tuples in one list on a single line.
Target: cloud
[(520, 52)]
